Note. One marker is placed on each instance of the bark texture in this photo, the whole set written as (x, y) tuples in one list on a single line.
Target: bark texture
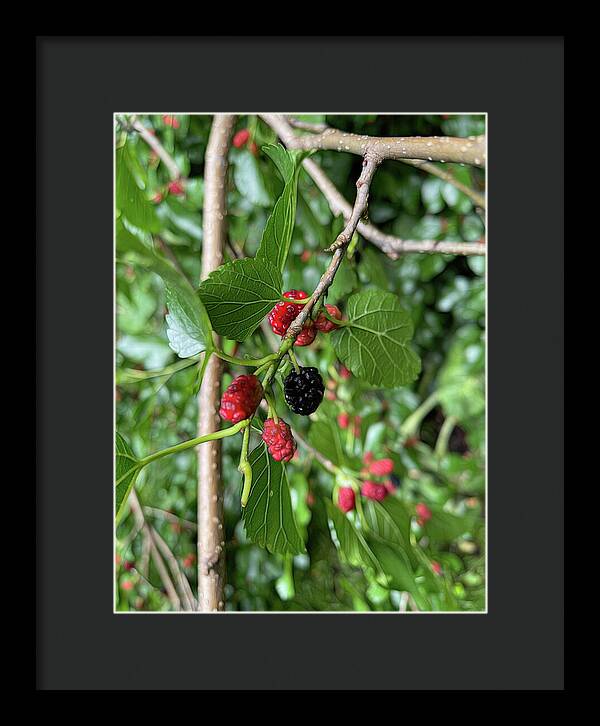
[(211, 542)]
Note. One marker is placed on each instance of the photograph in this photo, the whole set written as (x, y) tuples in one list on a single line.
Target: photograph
[(300, 350)]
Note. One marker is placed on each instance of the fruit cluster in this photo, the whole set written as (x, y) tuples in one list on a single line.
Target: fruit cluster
[(303, 393), (370, 488), (284, 313)]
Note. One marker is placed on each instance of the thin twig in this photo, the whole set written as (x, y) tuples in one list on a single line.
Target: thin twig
[(323, 460), (477, 198), (306, 125), (185, 591), (170, 517), (157, 147), (161, 568), (145, 556), (392, 246), (168, 252), (340, 245), (370, 164)]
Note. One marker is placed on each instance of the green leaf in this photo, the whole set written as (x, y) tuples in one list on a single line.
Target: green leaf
[(283, 160), (446, 527), (239, 294), (325, 438), (461, 385), (268, 517), (374, 345), (398, 572), (249, 179), (389, 564), (130, 199), (126, 470), (188, 325), (372, 266), (344, 282), (350, 542), (277, 236), (388, 521)]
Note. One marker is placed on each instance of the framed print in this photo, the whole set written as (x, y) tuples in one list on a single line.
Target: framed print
[(296, 336)]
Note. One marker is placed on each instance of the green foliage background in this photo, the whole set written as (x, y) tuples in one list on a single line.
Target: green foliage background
[(445, 298)]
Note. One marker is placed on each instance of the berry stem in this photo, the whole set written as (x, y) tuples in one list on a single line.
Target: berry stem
[(245, 361), (441, 445), (223, 433), (296, 301), (337, 321), (294, 360), (262, 368), (272, 369), (411, 425), (244, 466), (272, 412)]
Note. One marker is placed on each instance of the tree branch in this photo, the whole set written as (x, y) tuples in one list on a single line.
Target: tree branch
[(211, 549), (428, 148), (392, 246), (363, 184), (477, 198)]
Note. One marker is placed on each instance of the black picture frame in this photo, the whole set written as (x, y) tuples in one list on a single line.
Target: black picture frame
[(80, 643)]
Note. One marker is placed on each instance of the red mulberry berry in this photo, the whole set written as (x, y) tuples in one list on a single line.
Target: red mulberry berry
[(177, 188), (189, 559), (241, 399), (324, 325), (343, 420), (346, 499), (283, 313), (171, 121), (381, 467), (372, 490), (307, 335), (423, 512), (253, 148), (241, 138), (279, 440), (345, 373), (436, 567), (157, 198)]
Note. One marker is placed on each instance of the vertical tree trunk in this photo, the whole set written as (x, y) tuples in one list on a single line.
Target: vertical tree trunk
[(211, 535)]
